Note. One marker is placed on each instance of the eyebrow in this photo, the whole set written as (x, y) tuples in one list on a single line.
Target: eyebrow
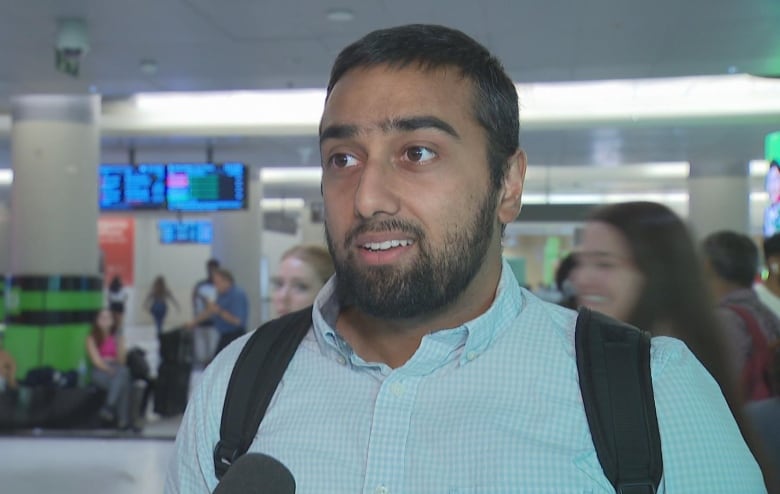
[(409, 124)]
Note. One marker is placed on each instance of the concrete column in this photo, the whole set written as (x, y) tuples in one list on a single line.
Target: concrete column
[(55, 151), (718, 197), (54, 287)]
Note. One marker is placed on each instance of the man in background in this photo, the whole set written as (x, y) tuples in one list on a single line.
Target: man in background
[(731, 262), (228, 312), (205, 336)]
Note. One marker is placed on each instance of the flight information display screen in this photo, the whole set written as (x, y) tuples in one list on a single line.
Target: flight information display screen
[(125, 187), (206, 186), (185, 231)]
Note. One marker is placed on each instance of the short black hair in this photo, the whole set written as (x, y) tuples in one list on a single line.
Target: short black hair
[(431, 47), (733, 256)]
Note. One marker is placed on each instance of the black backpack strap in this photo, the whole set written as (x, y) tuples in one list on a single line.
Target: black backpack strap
[(613, 362), (256, 375)]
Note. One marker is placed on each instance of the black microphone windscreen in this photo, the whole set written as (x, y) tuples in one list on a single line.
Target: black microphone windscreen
[(256, 473)]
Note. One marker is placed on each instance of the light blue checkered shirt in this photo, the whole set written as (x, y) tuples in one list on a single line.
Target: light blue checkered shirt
[(492, 406)]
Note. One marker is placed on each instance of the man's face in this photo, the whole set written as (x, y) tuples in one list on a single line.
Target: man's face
[(409, 211), (221, 284)]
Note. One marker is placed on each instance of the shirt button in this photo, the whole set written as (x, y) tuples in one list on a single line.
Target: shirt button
[(341, 360), (471, 355), (381, 490), (397, 389)]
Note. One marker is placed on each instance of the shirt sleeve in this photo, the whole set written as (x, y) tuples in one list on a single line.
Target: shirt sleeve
[(191, 468), (702, 447)]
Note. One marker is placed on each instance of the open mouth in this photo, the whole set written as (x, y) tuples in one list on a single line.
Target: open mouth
[(386, 245)]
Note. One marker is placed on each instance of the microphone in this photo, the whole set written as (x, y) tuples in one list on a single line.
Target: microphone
[(256, 473)]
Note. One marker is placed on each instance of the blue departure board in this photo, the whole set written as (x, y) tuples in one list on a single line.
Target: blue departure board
[(125, 187)]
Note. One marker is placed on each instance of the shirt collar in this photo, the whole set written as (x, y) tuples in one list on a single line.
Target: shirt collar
[(473, 337)]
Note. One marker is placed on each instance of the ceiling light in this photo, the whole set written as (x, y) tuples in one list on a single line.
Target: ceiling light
[(340, 15), (311, 175)]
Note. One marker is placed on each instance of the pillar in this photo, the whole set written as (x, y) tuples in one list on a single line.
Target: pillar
[(54, 288), (718, 197)]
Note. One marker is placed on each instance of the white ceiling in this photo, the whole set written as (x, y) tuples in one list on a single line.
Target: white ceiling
[(246, 44)]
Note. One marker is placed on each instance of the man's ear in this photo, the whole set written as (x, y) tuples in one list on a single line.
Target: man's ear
[(512, 190)]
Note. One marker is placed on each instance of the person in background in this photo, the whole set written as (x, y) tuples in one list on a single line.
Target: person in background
[(106, 351), (117, 299), (427, 368), (229, 312), (302, 272), (564, 283), (7, 371), (765, 414), (768, 292), (157, 302), (205, 336), (731, 261), (637, 262)]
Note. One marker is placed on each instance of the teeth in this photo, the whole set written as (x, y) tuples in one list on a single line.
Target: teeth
[(387, 244), (596, 299)]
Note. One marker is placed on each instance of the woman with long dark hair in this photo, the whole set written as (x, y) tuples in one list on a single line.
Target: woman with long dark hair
[(638, 263), (157, 302)]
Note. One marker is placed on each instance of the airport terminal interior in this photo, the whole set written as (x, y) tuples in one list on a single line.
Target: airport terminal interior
[(666, 101)]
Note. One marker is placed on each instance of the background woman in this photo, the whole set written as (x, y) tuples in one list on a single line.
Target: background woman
[(303, 270), (157, 302), (638, 263), (106, 350)]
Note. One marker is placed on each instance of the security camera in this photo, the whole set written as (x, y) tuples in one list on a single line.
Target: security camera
[(72, 45)]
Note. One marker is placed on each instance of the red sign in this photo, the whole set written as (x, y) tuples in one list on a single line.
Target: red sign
[(116, 238)]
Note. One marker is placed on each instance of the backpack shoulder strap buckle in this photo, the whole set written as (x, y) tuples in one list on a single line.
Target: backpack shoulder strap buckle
[(224, 456)]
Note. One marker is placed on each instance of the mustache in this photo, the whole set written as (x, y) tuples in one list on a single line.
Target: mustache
[(377, 226)]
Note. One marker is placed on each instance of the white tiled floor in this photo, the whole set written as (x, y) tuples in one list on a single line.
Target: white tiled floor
[(83, 466), (42, 464)]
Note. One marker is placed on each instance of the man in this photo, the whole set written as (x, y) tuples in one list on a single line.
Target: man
[(205, 337), (229, 312), (769, 291), (731, 261), (428, 369)]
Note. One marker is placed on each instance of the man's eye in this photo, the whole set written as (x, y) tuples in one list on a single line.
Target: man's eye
[(342, 160), (419, 154)]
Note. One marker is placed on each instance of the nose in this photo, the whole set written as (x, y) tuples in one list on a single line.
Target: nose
[(375, 193), (279, 296)]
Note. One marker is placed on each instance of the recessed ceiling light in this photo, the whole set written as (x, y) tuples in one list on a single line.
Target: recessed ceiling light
[(340, 15)]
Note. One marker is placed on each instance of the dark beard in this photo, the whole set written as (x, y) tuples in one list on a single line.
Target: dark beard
[(435, 279)]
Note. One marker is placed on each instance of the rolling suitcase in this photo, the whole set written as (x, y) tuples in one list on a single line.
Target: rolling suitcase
[(172, 388), (176, 346), (173, 376)]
